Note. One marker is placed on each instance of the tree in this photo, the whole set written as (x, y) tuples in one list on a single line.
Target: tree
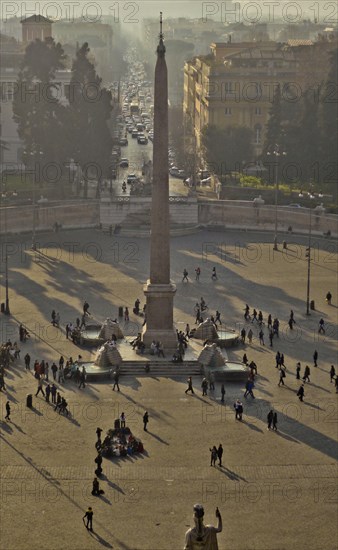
[(36, 106), (89, 112), (226, 149), (329, 125), (274, 126)]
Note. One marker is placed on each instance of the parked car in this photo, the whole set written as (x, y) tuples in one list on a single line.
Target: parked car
[(131, 178)]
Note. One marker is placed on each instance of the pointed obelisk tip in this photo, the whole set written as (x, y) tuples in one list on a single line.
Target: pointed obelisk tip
[(161, 46)]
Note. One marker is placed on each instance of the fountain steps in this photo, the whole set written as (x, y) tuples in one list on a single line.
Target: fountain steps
[(161, 368)]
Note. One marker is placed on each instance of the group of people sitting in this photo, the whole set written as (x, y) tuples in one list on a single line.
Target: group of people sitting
[(156, 348)]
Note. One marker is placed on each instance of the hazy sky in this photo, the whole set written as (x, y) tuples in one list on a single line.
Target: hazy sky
[(132, 12)]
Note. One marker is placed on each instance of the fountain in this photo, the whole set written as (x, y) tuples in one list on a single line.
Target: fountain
[(217, 363), (224, 338), (94, 334), (107, 360)]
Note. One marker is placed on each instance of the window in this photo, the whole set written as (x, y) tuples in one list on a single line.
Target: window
[(258, 111), (258, 134), (227, 111)]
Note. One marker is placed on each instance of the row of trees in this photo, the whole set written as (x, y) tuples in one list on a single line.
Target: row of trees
[(306, 132), (54, 131)]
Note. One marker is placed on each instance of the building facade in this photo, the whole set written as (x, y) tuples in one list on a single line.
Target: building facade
[(235, 84)]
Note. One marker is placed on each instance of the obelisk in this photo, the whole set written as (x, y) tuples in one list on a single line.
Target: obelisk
[(159, 290)]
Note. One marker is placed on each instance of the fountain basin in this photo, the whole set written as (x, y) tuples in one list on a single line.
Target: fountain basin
[(95, 372), (226, 338), (89, 336), (231, 371)]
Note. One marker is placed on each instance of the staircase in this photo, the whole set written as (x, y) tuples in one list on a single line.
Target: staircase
[(161, 368)]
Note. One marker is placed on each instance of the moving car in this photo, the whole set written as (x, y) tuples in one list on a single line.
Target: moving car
[(124, 163)]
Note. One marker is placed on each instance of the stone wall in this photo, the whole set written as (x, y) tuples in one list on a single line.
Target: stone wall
[(246, 216), (70, 214), (135, 211)]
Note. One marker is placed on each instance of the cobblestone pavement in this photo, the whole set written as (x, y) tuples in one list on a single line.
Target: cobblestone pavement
[(276, 491)]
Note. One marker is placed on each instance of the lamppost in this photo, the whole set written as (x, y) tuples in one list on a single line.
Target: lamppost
[(277, 152), (6, 310), (35, 154), (308, 255)]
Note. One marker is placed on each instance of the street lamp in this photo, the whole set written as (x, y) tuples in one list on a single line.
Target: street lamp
[(308, 255), (6, 310), (35, 153), (276, 151)]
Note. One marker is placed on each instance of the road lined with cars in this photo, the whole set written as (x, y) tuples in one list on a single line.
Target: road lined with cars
[(134, 134)]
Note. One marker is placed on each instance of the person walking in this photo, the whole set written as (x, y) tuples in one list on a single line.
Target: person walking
[(250, 336), (270, 419), (204, 387), (189, 388), (328, 298), (82, 378), (53, 391), (271, 335), (315, 358), (185, 276), (332, 373), (218, 317), (48, 390), (274, 421), (53, 316), (282, 375), (116, 381), (222, 393), (126, 315), (336, 384), (298, 367), (321, 329), (248, 388), (40, 387), (8, 410), (198, 273), (261, 337), (243, 335), (27, 359), (89, 519), (214, 274), (145, 421), (307, 373), (300, 393), (213, 456), (220, 454), (238, 406), (54, 370)]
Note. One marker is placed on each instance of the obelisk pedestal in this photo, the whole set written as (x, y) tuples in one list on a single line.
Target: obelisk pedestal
[(159, 290)]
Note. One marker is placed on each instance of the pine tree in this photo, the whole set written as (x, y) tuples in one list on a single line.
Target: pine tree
[(36, 106), (89, 111)]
